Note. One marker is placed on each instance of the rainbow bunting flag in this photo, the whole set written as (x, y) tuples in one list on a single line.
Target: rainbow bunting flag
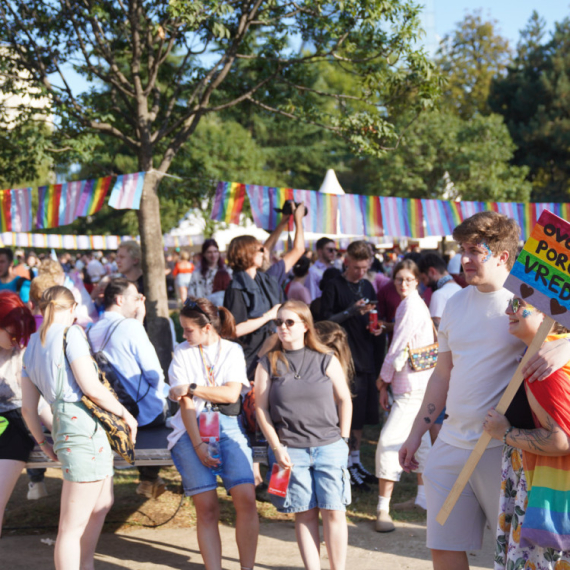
[(437, 222), (259, 201), (414, 213), (70, 195), (127, 192), (313, 219), (6, 210), (350, 214), (394, 217), (22, 210), (372, 215), (228, 202), (48, 206), (327, 218), (92, 196)]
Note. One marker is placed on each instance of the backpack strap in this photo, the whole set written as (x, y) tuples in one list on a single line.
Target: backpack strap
[(108, 336)]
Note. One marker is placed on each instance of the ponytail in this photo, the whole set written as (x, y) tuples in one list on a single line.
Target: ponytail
[(57, 298), (227, 323)]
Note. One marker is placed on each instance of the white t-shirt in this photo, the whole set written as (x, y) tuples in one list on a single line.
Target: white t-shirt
[(440, 297), (187, 368), (474, 327)]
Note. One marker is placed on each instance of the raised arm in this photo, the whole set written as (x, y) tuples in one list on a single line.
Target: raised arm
[(298, 249)]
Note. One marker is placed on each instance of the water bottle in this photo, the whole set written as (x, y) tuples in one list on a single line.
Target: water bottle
[(214, 453)]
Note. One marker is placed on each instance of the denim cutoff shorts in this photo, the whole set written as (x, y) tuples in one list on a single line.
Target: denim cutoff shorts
[(237, 462), (319, 478)]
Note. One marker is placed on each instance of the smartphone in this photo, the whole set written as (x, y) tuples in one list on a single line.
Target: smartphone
[(371, 302)]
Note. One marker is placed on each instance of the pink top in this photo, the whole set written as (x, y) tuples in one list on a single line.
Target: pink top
[(413, 326), (299, 292)]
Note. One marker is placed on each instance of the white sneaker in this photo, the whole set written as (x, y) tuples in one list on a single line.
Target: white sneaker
[(37, 490)]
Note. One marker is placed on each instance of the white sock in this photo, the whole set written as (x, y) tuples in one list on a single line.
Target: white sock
[(383, 504), (355, 456), (421, 497)]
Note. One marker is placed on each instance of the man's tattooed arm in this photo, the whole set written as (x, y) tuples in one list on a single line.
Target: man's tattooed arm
[(431, 410), (547, 440)]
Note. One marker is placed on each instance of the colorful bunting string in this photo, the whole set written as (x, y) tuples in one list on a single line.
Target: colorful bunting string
[(48, 206), (351, 220)]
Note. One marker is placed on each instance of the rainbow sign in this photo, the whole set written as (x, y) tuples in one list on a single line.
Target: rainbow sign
[(541, 273)]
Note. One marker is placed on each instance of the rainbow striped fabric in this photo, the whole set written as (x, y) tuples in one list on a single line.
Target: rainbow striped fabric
[(93, 193), (49, 198), (228, 202), (127, 192), (16, 210)]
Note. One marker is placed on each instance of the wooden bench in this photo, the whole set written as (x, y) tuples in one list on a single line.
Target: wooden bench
[(149, 450)]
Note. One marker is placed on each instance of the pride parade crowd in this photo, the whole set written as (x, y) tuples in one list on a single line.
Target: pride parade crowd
[(292, 357)]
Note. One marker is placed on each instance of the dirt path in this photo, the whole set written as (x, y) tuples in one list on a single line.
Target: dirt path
[(178, 549)]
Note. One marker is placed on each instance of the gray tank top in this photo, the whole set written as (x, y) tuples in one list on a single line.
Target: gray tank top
[(302, 408)]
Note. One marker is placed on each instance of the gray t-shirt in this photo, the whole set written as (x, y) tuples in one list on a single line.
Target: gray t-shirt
[(10, 379), (303, 409)]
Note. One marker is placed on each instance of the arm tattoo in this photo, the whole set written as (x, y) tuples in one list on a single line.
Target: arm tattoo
[(538, 440), (427, 420), (431, 408)]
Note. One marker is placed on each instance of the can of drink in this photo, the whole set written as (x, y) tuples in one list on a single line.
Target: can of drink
[(373, 320)]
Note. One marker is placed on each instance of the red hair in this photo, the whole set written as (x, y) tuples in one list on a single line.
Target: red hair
[(15, 315)]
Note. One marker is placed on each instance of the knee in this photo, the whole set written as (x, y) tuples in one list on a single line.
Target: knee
[(334, 517), (208, 516)]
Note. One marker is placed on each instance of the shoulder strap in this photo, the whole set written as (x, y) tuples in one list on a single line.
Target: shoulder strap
[(108, 336), (435, 339)]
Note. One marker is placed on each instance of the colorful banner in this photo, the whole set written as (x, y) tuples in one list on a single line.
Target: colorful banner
[(228, 202), (48, 206), (351, 220), (21, 210), (127, 192), (70, 194), (92, 196)]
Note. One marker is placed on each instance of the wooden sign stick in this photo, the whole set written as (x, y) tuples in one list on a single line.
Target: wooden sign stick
[(501, 407)]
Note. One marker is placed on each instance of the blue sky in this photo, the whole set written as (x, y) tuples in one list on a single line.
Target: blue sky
[(512, 15)]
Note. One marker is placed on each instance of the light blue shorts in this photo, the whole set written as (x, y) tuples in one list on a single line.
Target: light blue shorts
[(319, 478), (237, 463)]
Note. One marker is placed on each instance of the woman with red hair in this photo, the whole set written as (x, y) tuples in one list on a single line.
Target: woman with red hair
[(16, 325)]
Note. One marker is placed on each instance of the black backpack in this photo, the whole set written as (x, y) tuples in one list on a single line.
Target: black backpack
[(107, 368)]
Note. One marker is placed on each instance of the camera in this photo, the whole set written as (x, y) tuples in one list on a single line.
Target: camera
[(287, 208)]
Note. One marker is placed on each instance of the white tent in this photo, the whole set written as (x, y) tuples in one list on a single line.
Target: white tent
[(331, 184)]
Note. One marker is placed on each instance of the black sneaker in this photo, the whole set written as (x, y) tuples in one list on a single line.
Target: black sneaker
[(365, 475), (356, 480)]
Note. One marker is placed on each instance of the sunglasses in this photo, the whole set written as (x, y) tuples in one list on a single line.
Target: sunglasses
[(330, 248), (514, 305), (261, 249), (193, 306), (287, 322)]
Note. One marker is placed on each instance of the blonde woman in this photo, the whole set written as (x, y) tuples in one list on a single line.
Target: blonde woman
[(80, 442), (304, 408)]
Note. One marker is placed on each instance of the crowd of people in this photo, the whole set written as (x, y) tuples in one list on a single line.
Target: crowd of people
[(294, 356)]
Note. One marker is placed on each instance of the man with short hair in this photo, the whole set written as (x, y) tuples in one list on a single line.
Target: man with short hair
[(120, 334), (346, 300), (433, 273), (8, 280), (477, 359), (326, 255), (129, 258)]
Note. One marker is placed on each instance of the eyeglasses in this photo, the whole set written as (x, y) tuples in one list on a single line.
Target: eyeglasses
[(287, 322), (193, 306), (13, 337), (136, 297), (408, 280), (514, 305)]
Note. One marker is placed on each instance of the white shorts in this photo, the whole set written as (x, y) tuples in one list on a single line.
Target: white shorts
[(395, 432), (478, 503)]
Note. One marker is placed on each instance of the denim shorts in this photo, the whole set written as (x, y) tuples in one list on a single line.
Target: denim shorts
[(319, 478), (237, 463)]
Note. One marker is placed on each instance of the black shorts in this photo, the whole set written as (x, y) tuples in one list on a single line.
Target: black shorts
[(365, 404), (15, 442)]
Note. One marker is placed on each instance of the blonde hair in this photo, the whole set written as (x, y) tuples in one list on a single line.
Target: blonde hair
[(51, 267), (335, 337), (133, 248), (54, 299), (39, 284), (311, 339)]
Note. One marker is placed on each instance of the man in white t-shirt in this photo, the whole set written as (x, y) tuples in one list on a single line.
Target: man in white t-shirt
[(476, 361), (434, 275)]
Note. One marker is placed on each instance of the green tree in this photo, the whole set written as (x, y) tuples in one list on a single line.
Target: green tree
[(443, 156), (158, 69), (534, 98), (470, 58)]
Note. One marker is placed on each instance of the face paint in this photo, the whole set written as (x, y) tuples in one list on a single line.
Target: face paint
[(487, 249), (526, 314)]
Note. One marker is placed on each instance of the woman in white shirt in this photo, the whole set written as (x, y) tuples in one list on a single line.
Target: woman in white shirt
[(208, 376)]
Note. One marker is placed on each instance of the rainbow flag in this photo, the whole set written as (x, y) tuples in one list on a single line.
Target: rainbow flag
[(48, 206), (92, 196), (127, 192), (395, 217), (414, 216), (70, 195), (372, 212), (327, 218), (6, 210), (228, 202), (437, 221), (311, 222), (350, 214)]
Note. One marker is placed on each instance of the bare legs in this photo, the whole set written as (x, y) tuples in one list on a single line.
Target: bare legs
[(83, 510), (10, 470), (449, 560), (335, 532), (247, 526)]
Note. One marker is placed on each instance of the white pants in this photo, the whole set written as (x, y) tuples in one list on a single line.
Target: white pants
[(395, 432)]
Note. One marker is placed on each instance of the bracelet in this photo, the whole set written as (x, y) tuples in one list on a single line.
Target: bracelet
[(43, 442), (277, 447), (507, 432), (197, 446)]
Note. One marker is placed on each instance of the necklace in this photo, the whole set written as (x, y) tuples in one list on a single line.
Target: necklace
[(296, 373), (355, 288)]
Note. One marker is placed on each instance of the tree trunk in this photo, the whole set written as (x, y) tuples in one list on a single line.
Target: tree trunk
[(157, 315)]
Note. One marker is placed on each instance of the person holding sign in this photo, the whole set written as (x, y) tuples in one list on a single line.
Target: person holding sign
[(537, 534), (477, 358), (304, 403), (208, 376)]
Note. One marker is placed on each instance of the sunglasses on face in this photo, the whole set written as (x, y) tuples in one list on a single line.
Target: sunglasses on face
[(514, 305), (193, 306), (331, 249), (261, 249), (287, 322)]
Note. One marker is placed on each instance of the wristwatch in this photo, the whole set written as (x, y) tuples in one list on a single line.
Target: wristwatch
[(193, 387)]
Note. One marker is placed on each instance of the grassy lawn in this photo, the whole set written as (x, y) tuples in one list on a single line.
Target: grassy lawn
[(131, 510)]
